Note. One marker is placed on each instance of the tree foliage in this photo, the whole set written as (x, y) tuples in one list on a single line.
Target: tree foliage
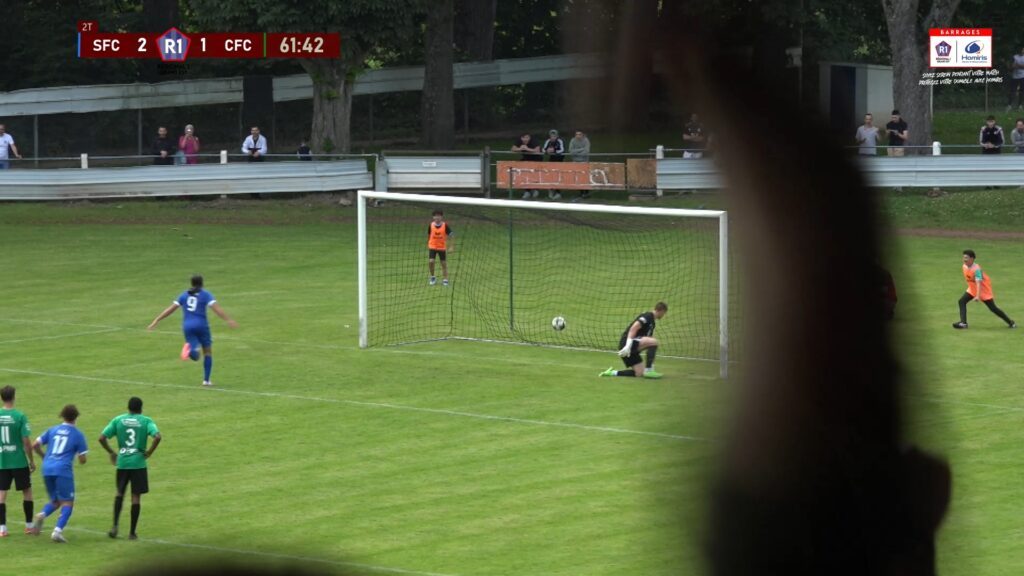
[(39, 41), (366, 27)]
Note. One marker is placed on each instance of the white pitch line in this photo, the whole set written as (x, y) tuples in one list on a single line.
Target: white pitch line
[(57, 323), (275, 555), (59, 336), (386, 350), (368, 404), (964, 403)]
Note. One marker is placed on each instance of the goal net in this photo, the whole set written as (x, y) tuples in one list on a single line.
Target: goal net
[(513, 266)]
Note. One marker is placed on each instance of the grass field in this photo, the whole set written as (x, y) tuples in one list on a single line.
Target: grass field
[(448, 458)]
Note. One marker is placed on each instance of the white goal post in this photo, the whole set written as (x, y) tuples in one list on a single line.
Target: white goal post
[(437, 200)]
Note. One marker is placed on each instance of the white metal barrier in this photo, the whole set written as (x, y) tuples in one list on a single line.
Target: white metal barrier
[(449, 173), (687, 174), (196, 180), (435, 172), (1006, 169)]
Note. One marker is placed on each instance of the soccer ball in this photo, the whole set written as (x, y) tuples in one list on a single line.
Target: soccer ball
[(558, 323)]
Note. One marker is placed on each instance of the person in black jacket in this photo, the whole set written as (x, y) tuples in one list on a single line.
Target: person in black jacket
[(991, 137), (163, 148)]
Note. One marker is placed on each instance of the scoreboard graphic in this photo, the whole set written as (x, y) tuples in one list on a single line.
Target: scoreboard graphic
[(177, 46)]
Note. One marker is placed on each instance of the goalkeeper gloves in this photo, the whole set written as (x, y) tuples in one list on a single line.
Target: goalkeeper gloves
[(626, 349)]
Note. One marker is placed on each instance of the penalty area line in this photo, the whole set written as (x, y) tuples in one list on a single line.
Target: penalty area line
[(379, 350), (384, 405), (274, 555), (59, 336)]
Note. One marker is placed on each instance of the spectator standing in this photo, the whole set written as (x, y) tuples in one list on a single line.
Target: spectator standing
[(1016, 81), (163, 148), (304, 153), (6, 147), (867, 137), (255, 145), (579, 147), (898, 134), (188, 144), (991, 137), (554, 147), (579, 151), (693, 137), (531, 152), (1017, 135)]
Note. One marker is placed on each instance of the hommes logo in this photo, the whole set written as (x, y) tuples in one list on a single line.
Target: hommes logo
[(974, 47)]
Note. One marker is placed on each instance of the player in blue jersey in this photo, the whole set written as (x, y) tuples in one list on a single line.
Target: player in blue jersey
[(193, 304), (63, 442)]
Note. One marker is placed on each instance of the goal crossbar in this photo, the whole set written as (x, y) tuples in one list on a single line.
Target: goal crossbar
[(723, 244)]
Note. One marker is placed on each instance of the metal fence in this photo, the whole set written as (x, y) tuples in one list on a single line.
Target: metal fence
[(455, 171), (195, 180)]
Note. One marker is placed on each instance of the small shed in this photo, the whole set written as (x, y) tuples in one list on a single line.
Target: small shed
[(846, 91)]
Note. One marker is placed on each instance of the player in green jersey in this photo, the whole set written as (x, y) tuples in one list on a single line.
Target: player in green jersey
[(133, 431), (16, 460)]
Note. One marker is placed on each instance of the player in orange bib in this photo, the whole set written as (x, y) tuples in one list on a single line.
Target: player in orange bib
[(439, 243), (979, 287)]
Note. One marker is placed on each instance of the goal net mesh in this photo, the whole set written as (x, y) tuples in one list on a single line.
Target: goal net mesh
[(512, 270)]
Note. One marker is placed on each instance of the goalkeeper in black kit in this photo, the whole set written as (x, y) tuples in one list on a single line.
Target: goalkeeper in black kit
[(639, 336)]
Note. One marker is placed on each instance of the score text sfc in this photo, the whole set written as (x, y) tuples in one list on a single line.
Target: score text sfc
[(176, 46)]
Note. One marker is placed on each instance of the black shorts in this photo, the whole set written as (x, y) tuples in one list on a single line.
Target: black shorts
[(21, 476), (442, 254), (139, 478), (634, 354)]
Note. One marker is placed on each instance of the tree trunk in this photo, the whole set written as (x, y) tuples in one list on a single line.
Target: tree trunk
[(908, 39), (438, 114), (634, 57), (586, 100), (332, 105), (474, 38), (476, 29)]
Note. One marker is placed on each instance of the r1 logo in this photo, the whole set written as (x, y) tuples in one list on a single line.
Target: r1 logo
[(173, 46)]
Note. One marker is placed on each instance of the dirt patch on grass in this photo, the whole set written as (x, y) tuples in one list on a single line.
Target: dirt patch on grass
[(979, 234)]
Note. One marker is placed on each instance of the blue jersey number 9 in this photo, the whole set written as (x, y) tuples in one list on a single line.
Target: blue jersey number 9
[(191, 303)]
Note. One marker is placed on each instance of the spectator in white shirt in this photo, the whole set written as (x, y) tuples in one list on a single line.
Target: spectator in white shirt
[(1017, 81), (6, 147), (255, 145), (867, 137)]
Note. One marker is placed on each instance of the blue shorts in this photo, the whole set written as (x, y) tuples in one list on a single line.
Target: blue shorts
[(60, 488), (198, 336)]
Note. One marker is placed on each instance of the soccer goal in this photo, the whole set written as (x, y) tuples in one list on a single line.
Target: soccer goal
[(515, 265)]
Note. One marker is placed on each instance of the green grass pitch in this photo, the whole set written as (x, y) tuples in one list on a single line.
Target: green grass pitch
[(447, 458)]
